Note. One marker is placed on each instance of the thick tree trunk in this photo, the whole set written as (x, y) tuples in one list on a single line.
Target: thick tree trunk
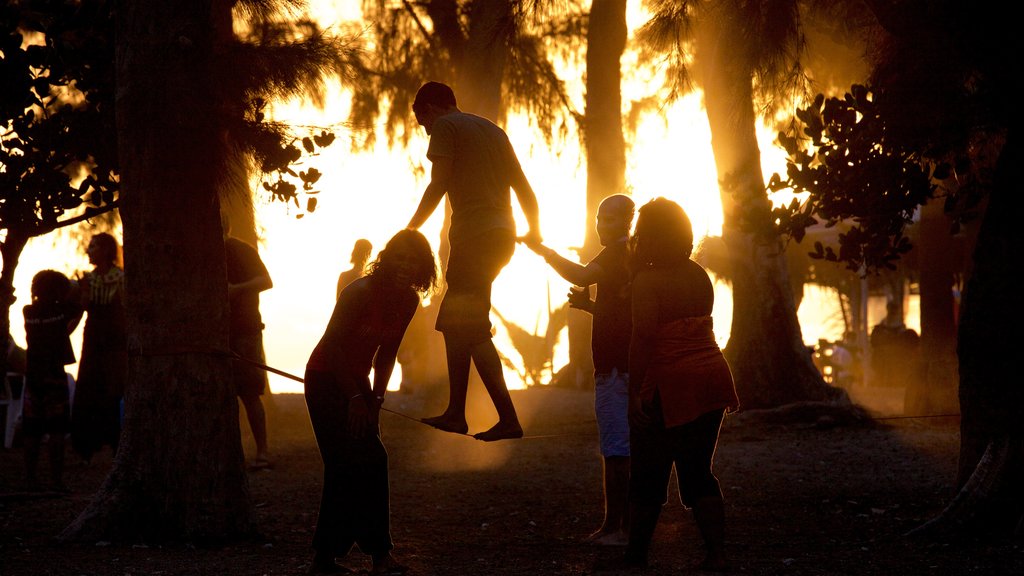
[(988, 346), (602, 130), (11, 249), (482, 66), (769, 361), (606, 155), (989, 501), (932, 387), (178, 474)]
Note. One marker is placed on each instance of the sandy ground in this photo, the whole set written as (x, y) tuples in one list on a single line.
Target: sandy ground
[(806, 493)]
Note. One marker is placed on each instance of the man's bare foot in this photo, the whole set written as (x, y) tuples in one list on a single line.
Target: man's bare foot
[(447, 423), (501, 431), (614, 538)]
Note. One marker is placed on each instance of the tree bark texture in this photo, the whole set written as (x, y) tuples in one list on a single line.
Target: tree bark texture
[(10, 250), (933, 389), (770, 363), (179, 471), (482, 66), (989, 344), (606, 154), (602, 131)]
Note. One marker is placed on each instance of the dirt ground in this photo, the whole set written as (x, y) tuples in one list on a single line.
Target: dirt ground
[(806, 493)]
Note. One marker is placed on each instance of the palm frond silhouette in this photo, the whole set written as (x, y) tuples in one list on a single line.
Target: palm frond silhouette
[(536, 350)]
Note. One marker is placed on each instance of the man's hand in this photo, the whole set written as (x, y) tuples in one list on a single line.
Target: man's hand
[(532, 238), (362, 419), (532, 244), (579, 298)]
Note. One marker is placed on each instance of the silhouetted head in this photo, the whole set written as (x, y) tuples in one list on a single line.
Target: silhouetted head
[(103, 250), (50, 286), (409, 260), (663, 236), (361, 251), (432, 101), (614, 218)]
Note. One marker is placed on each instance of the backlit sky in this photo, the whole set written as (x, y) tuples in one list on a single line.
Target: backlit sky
[(373, 195)]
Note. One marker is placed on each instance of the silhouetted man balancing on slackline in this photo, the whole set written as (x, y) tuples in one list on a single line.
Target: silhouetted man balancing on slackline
[(474, 164)]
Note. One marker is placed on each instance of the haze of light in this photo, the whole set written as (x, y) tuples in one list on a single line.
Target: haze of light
[(372, 195)]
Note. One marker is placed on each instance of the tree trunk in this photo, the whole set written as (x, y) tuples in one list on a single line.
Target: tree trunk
[(989, 500), (179, 471), (770, 363), (932, 387), (989, 341), (482, 67), (602, 130), (11, 249), (606, 155)]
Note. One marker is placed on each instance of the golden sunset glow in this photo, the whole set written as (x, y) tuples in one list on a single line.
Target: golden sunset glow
[(372, 195)]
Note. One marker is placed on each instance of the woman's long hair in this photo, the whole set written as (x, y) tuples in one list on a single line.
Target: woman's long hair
[(663, 236), (424, 278)]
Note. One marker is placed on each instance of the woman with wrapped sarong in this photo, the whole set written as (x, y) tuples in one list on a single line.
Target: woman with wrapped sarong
[(681, 386)]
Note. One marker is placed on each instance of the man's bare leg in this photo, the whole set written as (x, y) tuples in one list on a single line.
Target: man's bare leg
[(488, 365), (454, 417), (613, 531)]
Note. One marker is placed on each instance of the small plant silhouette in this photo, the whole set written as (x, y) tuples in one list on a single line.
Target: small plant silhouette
[(536, 350)]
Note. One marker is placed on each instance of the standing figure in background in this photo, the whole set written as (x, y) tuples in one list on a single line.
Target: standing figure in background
[(363, 334), (49, 321), (247, 277), (360, 256), (103, 368), (894, 349), (610, 346), (680, 384), (474, 164)]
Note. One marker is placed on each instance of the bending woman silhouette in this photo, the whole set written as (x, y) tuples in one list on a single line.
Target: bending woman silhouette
[(364, 333)]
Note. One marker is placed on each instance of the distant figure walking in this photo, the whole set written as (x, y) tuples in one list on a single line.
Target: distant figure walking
[(680, 383), (360, 256), (49, 321), (610, 346), (247, 277), (103, 368), (364, 333), (472, 161)]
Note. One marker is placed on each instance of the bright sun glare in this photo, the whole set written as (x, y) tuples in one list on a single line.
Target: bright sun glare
[(372, 195)]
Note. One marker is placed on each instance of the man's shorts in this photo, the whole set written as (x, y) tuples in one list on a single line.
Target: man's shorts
[(250, 380), (473, 266), (611, 403)]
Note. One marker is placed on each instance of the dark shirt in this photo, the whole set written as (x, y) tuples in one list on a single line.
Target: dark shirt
[(612, 313), (47, 342), (365, 317), (244, 263), (484, 163)]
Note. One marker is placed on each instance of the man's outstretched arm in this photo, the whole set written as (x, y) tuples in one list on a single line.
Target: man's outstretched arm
[(528, 202), (440, 174)]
